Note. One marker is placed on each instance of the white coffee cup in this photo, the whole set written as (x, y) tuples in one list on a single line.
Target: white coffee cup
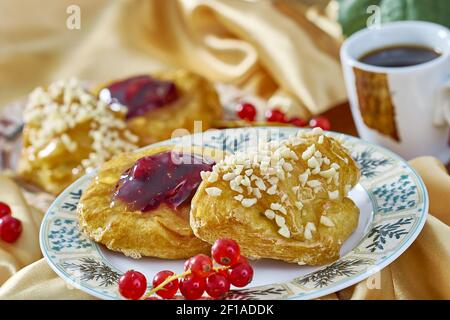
[(406, 109)]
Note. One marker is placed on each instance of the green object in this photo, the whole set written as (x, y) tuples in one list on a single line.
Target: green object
[(354, 15)]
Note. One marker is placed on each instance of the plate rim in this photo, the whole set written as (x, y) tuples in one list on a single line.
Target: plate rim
[(320, 292)]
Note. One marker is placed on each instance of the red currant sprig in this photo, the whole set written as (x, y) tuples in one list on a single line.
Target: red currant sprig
[(10, 227), (247, 111), (199, 276)]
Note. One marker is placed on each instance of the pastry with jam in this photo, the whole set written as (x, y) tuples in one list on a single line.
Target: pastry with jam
[(161, 103), (287, 201), (67, 132), (139, 203)]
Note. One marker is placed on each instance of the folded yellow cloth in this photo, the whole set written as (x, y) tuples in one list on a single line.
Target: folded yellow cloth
[(421, 272), (266, 46)]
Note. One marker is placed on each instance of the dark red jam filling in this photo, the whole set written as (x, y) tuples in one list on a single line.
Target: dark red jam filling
[(168, 177), (141, 94)]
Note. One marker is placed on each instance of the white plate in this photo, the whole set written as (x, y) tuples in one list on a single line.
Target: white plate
[(392, 199)]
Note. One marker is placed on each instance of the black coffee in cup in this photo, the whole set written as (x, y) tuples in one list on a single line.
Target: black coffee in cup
[(399, 56)]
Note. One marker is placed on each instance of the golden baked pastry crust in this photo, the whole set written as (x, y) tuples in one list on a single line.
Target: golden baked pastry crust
[(223, 215), (64, 135), (162, 233), (197, 101)]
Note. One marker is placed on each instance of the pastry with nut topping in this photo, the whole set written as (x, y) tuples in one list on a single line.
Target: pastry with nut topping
[(286, 201), (68, 131), (166, 101), (139, 203)]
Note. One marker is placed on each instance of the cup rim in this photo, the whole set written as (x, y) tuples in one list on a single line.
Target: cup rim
[(345, 56)]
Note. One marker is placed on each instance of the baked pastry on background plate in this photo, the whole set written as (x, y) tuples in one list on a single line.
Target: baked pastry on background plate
[(287, 200), (139, 203), (68, 131), (163, 102)]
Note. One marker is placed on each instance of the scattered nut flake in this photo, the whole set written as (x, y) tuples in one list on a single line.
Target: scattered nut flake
[(229, 176), (278, 207), (307, 234), (326, 221), (260, 184), (284, 231), (326, 161), (269, 214), (333, 195), (320, 140), (213, 191), (299, 205), (257, 193), (311, 226), (272, 190), (314, 183), (312, 162), (204, 174), (335, 166), (280, 221), (248, 172), (239, 197), (303, 178), (213, 177), (248, 202), (328, 173), (308, 153)]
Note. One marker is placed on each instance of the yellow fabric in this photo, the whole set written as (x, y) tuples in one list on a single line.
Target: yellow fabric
[(421, 272), (269, 47), (265, 46)]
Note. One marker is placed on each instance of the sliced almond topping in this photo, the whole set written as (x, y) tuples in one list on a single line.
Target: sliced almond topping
[(239, 197), (308, 153), (269, 214), (328, 173), (320, 140), (312, 162), (213, 191), (213, 177), (333, 195), (229, 176), (280, 220), (284, 231), (326, 221), (314, 183), (272, 190), (248, 202)]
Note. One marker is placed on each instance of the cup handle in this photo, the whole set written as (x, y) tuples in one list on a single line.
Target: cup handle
[(442, 108)]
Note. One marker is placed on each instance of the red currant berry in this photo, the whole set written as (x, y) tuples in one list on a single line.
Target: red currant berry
[(10, 229), (242, 259), (275, 115), (298, 122), (225, 251), (170, 289), (241, 275), (187, 264), (320, 122), (246, 111), (217, 285), (192, 287), (5, 210), (201, 265), (132, 285)]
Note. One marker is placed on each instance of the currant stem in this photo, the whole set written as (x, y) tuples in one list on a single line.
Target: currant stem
[(166, 281)]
